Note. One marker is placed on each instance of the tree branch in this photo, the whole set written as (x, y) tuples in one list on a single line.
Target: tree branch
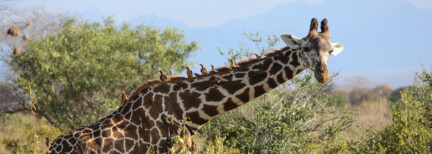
[(13, 107)]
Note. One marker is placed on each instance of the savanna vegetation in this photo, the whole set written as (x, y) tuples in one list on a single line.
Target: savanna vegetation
[(72, 74), (78, 72)]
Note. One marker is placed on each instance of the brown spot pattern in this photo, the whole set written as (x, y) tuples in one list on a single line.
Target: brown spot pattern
[(195, 118), (280, 78), (119, 145), (200, 86), (288, 72), (294, 61), (179, 86), (214, 95), (229, 105), (256, 76), (162, 88), (156, 107), (190, 99), (275, 68), (271, 82), (232, 86), (244, 97), (239, 75), (130, 131), (284, 58), (137, 114), (154, 135), (129, 143), (259, 90), (210, 110), (126, 108)]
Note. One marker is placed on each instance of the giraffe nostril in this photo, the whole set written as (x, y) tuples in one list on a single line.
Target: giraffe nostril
[(319, 70)]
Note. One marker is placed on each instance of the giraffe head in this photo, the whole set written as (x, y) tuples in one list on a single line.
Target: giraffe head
[(316, 48)]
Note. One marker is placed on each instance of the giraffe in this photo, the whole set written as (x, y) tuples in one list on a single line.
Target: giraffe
[(156, 112)]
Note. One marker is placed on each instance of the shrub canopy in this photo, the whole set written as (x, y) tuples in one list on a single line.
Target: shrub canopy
[(77, 73)]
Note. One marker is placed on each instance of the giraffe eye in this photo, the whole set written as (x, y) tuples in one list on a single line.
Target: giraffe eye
[(331, 51)]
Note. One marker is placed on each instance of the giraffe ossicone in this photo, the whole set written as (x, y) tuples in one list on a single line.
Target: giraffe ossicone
[(157, 112)]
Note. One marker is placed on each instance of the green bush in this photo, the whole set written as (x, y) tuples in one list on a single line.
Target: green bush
[(407, 133), (423, 93), (217, 147), (337, 100), (396, 94), (78, 72), (410, 130), (24, 133), (292, 118)]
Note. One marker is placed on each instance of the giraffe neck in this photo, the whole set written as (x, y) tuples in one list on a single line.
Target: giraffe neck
[(204, 99), (193, 102)]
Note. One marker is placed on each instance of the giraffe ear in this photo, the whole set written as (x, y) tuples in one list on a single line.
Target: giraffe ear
[(337, 48), (292, 41)]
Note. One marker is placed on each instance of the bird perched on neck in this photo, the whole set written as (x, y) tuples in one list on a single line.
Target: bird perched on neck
[(189, 72), (257, 56), (213, 69), (216, 81), (203, 70), (233, 65), (163, 77), (124, 97)]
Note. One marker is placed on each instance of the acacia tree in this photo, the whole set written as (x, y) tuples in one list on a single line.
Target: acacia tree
[(77, 73), (30, 24)]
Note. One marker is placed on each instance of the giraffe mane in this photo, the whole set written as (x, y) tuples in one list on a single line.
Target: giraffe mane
[(221, 70), (144, 86), (250, 61), (274, 52), (177, 78)]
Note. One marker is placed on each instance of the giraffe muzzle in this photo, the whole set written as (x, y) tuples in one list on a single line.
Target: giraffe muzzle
[(321, 73)]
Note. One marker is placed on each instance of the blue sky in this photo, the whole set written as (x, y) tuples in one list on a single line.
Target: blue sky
[(385, 41)]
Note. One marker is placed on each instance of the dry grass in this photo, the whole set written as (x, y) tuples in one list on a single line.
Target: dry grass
[(371, 114), (17, 132)]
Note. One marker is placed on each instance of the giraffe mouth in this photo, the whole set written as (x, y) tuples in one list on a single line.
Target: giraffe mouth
[(321, 74)]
